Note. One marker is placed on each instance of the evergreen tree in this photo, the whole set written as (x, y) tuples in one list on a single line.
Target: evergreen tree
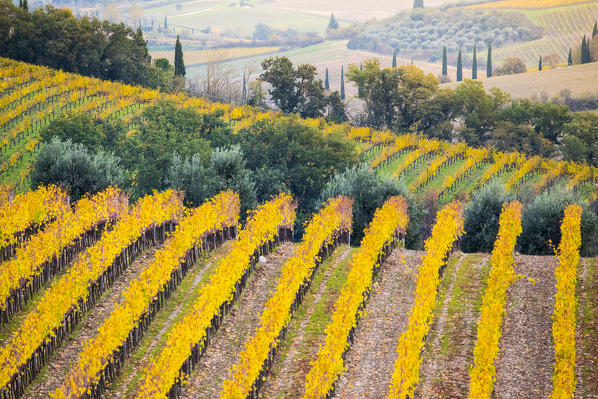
[(336, 109), (342, 83), (179, 64), (540, 65), (489, 62), (444, 62), (394, 58), (20, 3), (418, 3), (459, 67), (584, 51), (333, 24), (25, 5), (595, 31), (474, 66), (361, 66), (570, 59), (165, 22), (244, 92), (326, 81)]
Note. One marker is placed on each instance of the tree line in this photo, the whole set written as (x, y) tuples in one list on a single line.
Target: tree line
[(200, 155), (55, 38), (405, 99)]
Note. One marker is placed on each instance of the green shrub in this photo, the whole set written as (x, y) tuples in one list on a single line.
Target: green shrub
[(481, 218), (201, 180), (369, 192), (72, 166), (542, 220)]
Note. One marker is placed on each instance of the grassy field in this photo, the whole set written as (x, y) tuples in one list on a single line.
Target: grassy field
[(564, 26), (578, 78), (351, 10), (194, 57), (233, 20), (304, 15)]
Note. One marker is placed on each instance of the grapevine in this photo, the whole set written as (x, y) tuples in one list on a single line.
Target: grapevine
[(448, 228), (59, 309), (330, 226), (483, 374), (389, 224), (189, 337), (564, 316), (141, 299)]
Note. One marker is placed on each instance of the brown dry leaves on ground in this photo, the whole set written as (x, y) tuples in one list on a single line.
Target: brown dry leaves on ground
[(449, 349), (55, 372), (587, 330), (371, 358), (223, 352), (525, 361), (287, 377)]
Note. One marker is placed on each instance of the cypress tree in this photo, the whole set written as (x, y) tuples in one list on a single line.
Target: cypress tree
[(179, 64), (474, 66), (540, 65), (244, 92), (25, 5), (394, 58), (489, 62), (444, 62), (165, 22), (595, 31), (584, 50), (20, 3), (570, 59), (459, 67), (418, 3), (342, 83), (326, 82), (333, 24), (361, 66)]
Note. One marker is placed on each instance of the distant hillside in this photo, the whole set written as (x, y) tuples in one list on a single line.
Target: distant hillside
[(551, 82)]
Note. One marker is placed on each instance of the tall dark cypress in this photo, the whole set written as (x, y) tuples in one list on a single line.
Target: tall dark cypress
[(489, 62), (342, 83), (179, 64), (394, 58), (20, 3), (361, 66), (326, 82), (540, 65), (444, 62), (418, 3), (165, 22), (332, 24), (25, 5), (244, 92), (474, 65), (459, 67), (584, 50), (570, 59), (595, 31)]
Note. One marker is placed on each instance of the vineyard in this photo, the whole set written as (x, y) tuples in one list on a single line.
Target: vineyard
[(564, 23), (110, 297)]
